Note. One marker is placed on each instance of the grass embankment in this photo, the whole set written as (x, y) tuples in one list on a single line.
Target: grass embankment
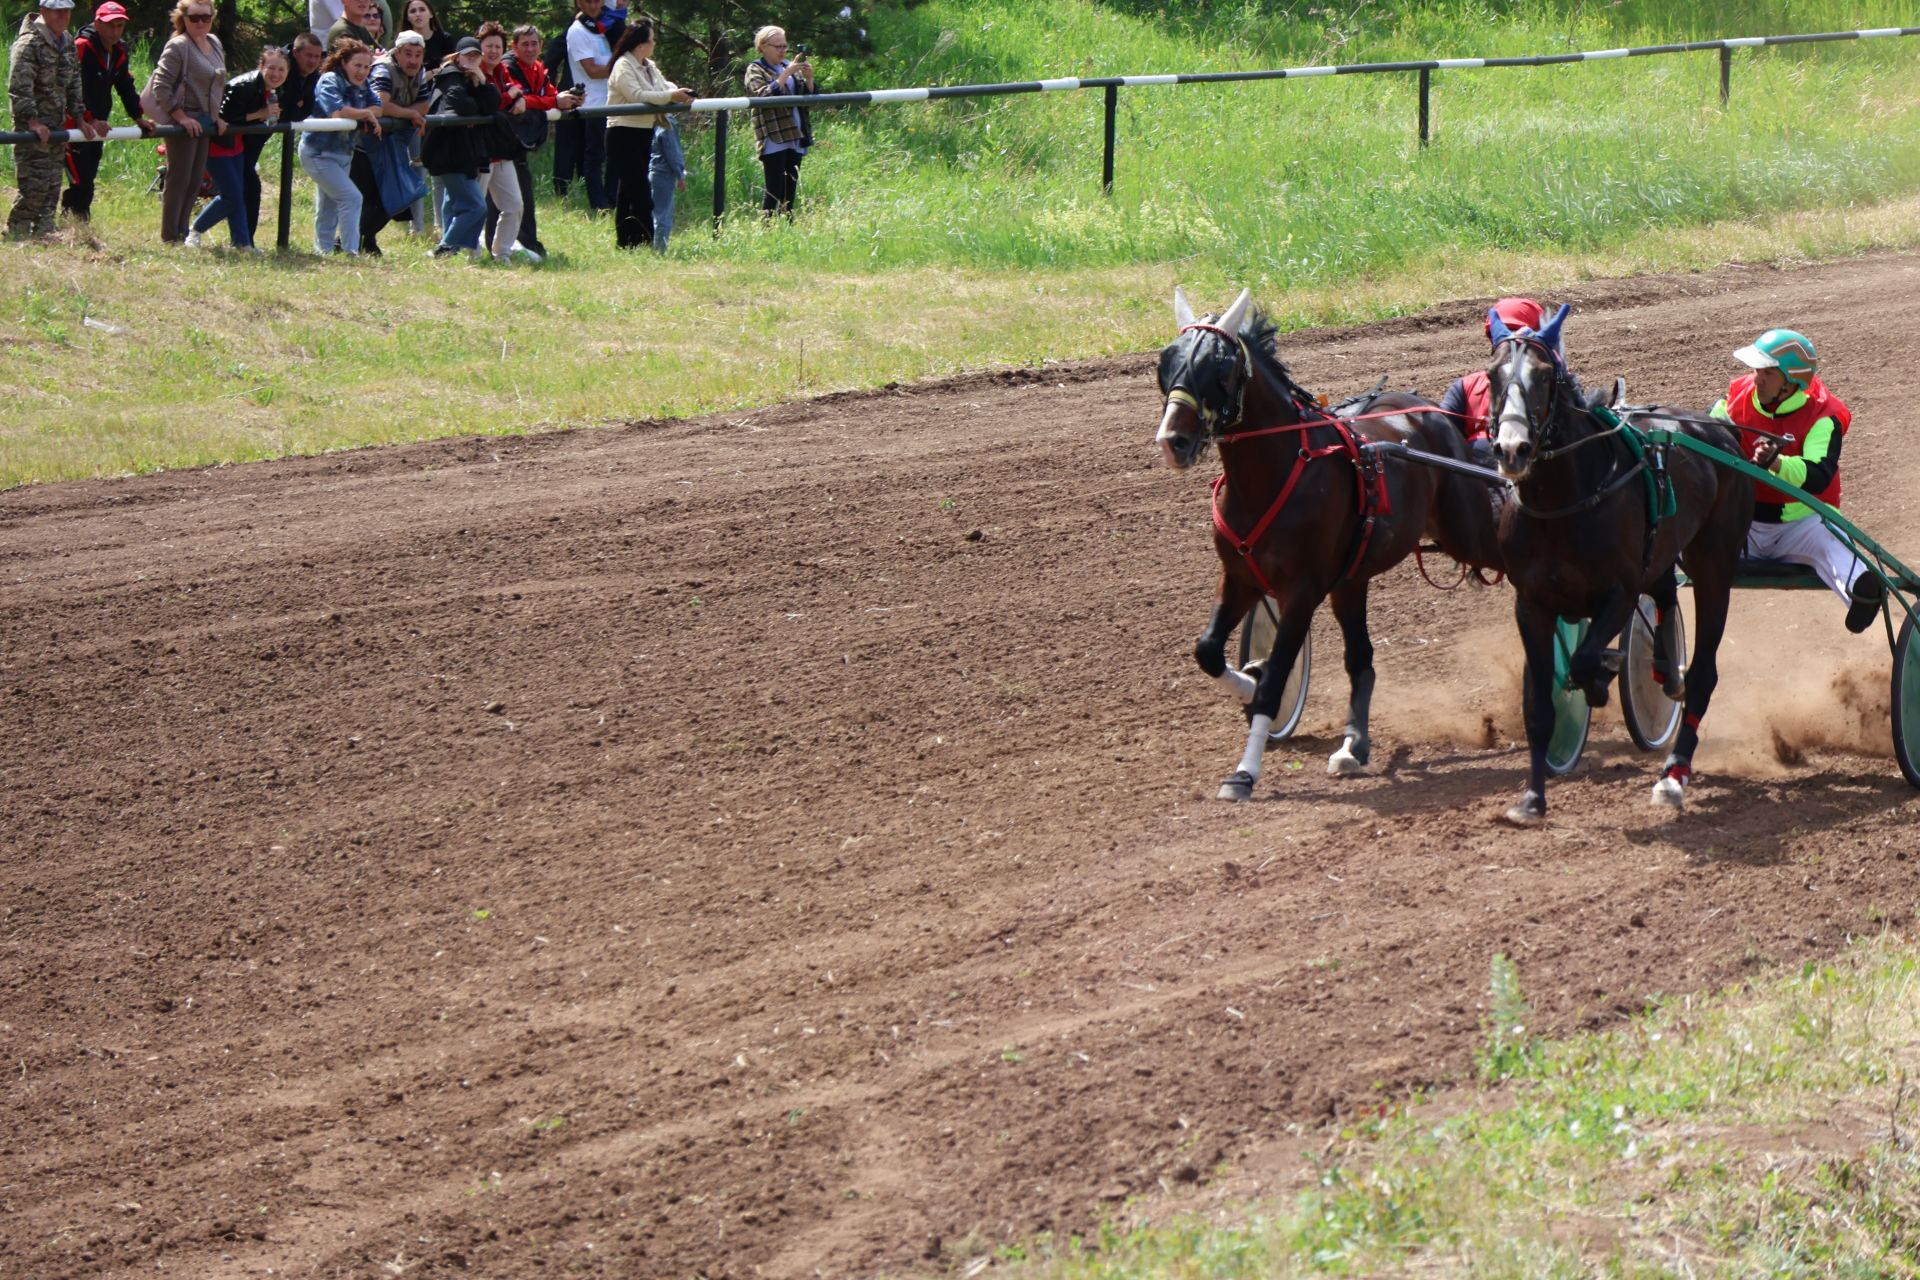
[(1769, 1131), (958, 235)]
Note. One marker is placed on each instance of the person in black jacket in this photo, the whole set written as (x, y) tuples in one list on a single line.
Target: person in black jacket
[(296, 96), (103, 73), (457, 154), (253, 98)]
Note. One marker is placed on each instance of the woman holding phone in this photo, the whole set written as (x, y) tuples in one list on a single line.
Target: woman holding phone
[(783, 134)]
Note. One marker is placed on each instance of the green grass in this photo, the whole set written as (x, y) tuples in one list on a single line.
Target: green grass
[(1766, 1131), (950, 236)]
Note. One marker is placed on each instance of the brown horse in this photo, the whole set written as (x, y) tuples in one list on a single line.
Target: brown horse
[(1587, 533), (1303, 510)]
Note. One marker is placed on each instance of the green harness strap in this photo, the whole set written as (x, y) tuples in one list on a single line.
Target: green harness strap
[(1661, 502)]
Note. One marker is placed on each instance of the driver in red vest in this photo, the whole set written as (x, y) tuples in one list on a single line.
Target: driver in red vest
[(1468, 400), (1805, 425)]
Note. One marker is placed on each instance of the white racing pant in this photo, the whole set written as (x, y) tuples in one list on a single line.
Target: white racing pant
[(1807, 541)]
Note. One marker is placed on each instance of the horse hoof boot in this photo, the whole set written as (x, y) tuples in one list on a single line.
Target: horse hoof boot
[(1237, 788), (1530, 812), (1671, 791), (1344, 763)]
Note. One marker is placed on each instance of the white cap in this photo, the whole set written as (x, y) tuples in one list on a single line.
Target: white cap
[(410, 37), (56, 4)]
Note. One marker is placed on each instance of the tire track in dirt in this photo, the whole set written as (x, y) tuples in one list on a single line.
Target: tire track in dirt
[(690, 849)]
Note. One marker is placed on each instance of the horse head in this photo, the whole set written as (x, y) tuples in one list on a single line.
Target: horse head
[(1524, 380), (1204, 373)]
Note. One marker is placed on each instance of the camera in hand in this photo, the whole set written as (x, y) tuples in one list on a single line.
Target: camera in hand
[(802, 50)]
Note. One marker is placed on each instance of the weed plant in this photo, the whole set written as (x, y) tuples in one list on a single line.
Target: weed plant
[(1767, 1131), (942, 236)]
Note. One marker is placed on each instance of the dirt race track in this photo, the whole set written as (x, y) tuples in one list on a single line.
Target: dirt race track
[(783, 844)]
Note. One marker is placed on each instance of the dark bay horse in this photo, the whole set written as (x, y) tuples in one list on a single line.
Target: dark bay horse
[(1585, 536), (1301, 513)]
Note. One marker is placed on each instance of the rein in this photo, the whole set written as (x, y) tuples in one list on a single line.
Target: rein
[(1618, 480)]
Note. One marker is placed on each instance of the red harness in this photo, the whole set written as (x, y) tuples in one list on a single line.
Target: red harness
[(1374, 501)]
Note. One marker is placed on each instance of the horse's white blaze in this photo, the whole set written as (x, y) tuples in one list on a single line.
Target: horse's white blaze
[(1238, 683), (1165, 438), (1513, 416)]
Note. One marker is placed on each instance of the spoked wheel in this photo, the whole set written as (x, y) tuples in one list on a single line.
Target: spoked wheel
[(1906, 703), (1257, 634), (1652, 717), (1572, 717)]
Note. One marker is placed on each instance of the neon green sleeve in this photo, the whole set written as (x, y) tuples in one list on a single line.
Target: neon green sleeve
[(1819, 441), (1720, 410)]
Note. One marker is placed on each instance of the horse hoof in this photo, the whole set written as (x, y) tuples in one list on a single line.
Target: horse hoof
[(1676, 690), (1669, 793), (1237, 788), (1530, 812), (1344, 764)]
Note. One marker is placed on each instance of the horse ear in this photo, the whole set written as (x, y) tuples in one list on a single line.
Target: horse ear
[(1497, 331), (1550, 333), (1237, 313), (1182, 313)]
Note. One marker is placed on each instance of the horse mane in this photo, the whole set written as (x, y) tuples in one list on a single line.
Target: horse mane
[(1261, 336)]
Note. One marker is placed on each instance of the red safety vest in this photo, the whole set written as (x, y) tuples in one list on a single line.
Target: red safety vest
[(1820, 403), (1479, 405)]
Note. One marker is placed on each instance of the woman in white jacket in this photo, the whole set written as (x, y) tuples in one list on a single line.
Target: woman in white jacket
[(635, 80)]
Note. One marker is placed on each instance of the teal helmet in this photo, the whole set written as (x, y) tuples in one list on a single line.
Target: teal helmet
[(1783, 349)]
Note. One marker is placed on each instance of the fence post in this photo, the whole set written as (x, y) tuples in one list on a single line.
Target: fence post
[(1426, 103), (1106, 159), (1726, 74), (286, 188), (719, 168)]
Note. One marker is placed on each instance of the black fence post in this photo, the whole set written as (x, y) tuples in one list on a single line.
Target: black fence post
[(1426, 104), (719, 169), (1726, 74), (1106, 159), (286, 188)]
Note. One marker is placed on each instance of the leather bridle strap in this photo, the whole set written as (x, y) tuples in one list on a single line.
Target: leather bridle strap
[(1181, 396)]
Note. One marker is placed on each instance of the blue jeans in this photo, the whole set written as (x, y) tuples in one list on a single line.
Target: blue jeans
[(463, 211), (338, 211), (663, 180), (230, 176)]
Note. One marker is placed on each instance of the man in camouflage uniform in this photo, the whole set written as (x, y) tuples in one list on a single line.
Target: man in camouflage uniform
[(44, 91)]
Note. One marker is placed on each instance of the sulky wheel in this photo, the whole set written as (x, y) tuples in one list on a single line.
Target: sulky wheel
[(1906, 703), (1257, 635), (1652, 717), (1571, 714)]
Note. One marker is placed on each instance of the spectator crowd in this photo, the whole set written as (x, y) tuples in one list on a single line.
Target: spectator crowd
[(470, 186)]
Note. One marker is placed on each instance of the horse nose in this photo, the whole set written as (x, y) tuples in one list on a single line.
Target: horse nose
[(1514, 457)]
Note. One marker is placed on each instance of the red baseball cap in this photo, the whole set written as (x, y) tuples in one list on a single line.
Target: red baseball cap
[(110, 11), (1518, 314)]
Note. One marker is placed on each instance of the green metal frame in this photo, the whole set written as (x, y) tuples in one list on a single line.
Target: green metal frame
[(1899, 580)]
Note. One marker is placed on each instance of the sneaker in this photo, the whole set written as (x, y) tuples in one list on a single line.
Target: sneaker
[(520, 253), (1868, 593), (195, 240)]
